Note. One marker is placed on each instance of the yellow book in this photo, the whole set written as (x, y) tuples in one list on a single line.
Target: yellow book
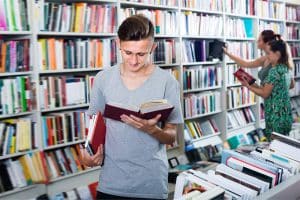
[(192, 130), (26, 170), (37, 169), (12, 145)]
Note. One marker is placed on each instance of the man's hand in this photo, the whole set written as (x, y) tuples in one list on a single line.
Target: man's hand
[(148, 126), (94, 160)]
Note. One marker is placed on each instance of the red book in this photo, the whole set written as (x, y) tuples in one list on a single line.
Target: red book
[(240, 74), (147, 110), (96, 134)]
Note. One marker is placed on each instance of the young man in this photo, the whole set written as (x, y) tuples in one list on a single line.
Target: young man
[(135, 160)]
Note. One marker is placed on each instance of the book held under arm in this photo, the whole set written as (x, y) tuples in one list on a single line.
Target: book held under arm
[(147, 110), (96, 134)]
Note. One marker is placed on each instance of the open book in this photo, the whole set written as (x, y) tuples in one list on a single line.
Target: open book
[(147, 110), (241, 74), (96, 134)]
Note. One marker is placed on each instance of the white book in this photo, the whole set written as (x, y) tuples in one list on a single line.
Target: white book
[(263, 186), (243, 191), (285, 149)]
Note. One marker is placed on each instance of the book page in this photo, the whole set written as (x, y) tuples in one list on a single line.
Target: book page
[(127, 107)]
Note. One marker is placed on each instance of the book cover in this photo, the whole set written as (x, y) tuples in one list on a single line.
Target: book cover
[(96, 134), (216, 49), (240, 74), (147, 110)]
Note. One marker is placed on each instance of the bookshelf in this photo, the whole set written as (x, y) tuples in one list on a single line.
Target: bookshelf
[(175, 34)]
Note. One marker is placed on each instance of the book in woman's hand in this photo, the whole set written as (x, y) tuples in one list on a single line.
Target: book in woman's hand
[(147, 110), (241, 75)]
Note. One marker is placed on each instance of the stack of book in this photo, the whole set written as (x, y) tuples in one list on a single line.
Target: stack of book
[(244, 175)]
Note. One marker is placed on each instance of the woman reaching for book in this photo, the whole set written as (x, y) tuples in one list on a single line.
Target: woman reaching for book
[(264, 38), (275, 89)]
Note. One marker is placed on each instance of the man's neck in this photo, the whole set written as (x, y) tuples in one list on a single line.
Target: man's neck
[(144, 71)]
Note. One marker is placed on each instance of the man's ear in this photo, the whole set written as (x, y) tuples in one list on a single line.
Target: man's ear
[(153, 47), (118, 43)]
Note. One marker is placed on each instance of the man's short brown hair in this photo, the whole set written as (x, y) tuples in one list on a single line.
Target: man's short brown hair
[(135, 28)]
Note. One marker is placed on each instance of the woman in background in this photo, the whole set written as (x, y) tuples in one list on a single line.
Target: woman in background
[(275, 89), (264, 38)]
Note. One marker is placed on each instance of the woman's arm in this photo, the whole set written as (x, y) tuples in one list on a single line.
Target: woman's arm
[(263, 91), (244, 63), (292, 85)]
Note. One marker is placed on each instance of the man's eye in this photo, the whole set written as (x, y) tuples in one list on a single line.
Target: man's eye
[(141, 54), (128, 53)]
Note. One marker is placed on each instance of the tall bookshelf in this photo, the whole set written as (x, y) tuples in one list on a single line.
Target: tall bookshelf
[(42, 71)]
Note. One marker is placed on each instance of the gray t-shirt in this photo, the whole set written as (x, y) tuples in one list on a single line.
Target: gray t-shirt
[(135, 163)]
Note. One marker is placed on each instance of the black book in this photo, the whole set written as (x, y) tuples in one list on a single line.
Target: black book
[(5, 179), (216, 49)]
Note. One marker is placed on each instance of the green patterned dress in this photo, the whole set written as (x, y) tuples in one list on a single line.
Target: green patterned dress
[(277, 105)]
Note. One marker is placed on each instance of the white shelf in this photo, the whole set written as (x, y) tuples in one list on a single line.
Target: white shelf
[(205, 137), (292, 22), (49, 72), (206, 141), (234, 85), (50, 33), (201, 89), (293, 40), (10, 74), (17, 154), (240, 39), (271, 19), (28, 192), (68, 182), (15, 32), (242, 106), (166, 36), (145, 5), (288, 189), (65, 108), (168, 65), (63, 145), (202, 37), (201, 63), (22, 114), (240, 15), (242, 129), (202, 115), (202, 11)]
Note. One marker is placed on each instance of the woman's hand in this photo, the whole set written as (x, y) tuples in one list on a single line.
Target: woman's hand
[(244, 82), (225, 50), (94, 160), (148, 126)]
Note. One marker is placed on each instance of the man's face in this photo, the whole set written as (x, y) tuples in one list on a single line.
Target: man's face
[(136, 54)]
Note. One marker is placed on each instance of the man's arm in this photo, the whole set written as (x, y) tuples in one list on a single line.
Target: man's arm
[(164, 135)]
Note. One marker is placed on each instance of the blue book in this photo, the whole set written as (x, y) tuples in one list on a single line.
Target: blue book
[(248, 23)]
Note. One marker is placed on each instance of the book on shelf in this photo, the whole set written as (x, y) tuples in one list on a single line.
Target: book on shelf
[(96, 134), (243, 75), (201, 103), (216, 50), (147, 110)]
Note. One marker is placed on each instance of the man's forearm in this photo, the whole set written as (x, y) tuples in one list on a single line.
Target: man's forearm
[(166, 135)]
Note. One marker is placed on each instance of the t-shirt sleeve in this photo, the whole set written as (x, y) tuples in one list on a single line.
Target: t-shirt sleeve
[(273, 77), (172, 94), (97, 99)]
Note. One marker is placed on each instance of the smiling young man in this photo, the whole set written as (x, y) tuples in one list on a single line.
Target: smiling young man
[(135, 160)]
